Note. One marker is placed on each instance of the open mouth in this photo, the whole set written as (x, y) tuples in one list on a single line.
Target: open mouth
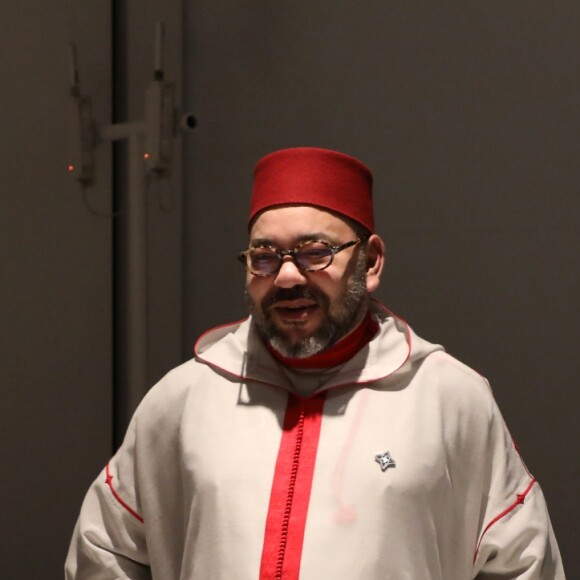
[(295, 309)]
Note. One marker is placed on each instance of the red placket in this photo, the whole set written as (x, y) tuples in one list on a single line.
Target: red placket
[(290, 496)]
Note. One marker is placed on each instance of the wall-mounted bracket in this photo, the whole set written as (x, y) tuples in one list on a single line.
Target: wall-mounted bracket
[(151, 143), (82, 129)]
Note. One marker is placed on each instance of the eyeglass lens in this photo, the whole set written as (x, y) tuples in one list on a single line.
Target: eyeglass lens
[(310, 256)]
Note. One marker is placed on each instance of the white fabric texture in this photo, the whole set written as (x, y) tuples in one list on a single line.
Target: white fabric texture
[(198, 462)]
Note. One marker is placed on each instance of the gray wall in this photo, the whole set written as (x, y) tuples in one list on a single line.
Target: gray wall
[(55, 285), (468, 113), (62, 262)]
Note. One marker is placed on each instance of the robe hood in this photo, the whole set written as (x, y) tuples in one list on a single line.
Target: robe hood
[(236, 349)]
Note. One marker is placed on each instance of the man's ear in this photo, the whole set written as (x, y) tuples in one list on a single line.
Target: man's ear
[(375, 262)]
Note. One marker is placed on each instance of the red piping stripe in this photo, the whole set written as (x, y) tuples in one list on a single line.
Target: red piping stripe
[(520, 499), (109, 482), (290, 496)]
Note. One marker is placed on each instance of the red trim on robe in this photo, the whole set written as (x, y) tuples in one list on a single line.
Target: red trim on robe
[(291, 487), (109, 482), (520, 499)]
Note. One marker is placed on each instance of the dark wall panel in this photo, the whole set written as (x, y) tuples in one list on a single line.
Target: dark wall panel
[(55, 284)]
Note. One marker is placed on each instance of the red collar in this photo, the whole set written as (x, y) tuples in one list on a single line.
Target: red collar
[(342, 351)]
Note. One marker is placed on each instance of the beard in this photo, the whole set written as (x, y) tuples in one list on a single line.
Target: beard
[(339, 318)]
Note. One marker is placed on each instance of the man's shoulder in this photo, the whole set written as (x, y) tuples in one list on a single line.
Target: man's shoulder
[(454, 380), (184, 372), (171, 392), (446, 362)]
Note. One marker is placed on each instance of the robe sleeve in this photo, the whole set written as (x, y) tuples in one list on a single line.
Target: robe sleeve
[(516, 539), (109, 542)]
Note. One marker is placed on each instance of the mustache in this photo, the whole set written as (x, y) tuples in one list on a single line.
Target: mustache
[(294, 293)]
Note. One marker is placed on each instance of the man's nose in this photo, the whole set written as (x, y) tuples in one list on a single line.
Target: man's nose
[(289, 274)]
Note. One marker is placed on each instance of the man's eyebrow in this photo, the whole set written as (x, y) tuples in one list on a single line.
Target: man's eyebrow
[(324, 236), (261, 242)]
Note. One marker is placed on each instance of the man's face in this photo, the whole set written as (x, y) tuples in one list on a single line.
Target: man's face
[(301, 313)]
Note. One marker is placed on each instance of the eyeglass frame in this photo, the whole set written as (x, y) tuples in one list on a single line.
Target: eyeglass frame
[(242, 257)]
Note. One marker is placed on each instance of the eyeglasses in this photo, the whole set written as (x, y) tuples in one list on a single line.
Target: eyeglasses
[(310, 256)]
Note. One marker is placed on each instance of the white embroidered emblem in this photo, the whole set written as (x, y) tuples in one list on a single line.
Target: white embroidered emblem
[(385, 460)]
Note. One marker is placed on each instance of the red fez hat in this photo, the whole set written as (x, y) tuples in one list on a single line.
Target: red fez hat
[(312, 176)]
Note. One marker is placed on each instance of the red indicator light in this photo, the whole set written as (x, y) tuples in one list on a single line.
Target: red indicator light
[(71, 168), (146, 156)]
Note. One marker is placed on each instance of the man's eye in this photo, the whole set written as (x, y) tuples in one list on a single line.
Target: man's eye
[(315, 253), (264, 257)]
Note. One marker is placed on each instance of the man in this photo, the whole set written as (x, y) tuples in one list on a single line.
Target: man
[(320, 438)]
